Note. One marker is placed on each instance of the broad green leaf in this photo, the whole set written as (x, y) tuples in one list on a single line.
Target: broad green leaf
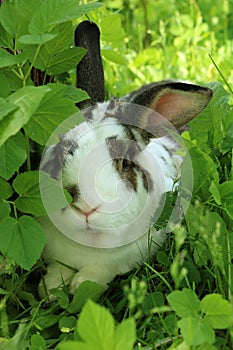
[(6, 107), (7, 60), (5, 89), (12, 82), (45, 320), (113, 56), (184, 303), (109, 35), (4, 209), (62, 297), (29, 200), (214, 190), (28, 185), (73, 345), (207, 128), (125, 335), (27, 100), (87, 290), (227, 141), (204, 171), (96, 326), (12, 155), (61, 42), (67, 324), (218, 311), (53, 110), (75, 94), (6, 40), (195, 331), (65, 60), (37, 342), (154, 299), (21, 240), (54, 197), (16, 15), (226, 191), (5, 189), (54, 12), (36, 39)]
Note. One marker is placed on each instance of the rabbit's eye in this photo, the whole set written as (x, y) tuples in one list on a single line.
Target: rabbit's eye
[(73, 190), (72, 148)]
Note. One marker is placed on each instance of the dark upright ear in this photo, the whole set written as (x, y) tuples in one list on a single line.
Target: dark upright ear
[(89, 72), (177, 102)]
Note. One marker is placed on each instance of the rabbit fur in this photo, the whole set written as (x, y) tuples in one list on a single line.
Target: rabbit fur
[(114, 200), (117, 165)]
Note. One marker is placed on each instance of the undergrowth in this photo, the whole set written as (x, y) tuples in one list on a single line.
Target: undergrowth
[(180, 299)]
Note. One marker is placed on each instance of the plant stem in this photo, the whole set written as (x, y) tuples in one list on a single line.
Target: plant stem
[(4, 319), (222, 76), (28, 151), (32, 63)]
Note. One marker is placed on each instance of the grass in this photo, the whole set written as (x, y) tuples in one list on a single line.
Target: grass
[(151, 41)]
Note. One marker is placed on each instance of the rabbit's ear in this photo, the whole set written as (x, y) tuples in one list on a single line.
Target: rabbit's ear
[(177, 102), (89, 72)]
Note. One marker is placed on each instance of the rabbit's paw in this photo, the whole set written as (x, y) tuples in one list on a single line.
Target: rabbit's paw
[(100, 276), (57, 275)]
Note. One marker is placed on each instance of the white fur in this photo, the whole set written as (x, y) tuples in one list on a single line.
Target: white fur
[(115, 239)]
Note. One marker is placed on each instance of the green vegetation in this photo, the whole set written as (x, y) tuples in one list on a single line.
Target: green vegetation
[(182, 298)]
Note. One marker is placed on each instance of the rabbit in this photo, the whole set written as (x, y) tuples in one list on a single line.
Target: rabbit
[(117, 166)]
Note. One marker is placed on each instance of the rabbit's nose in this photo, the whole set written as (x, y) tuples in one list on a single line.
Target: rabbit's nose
[(85, 210)]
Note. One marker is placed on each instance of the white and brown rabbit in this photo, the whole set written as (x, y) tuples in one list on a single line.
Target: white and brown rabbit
[(117, 166)]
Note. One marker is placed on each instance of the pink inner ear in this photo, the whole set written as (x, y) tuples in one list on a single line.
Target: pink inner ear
[(172, 106)]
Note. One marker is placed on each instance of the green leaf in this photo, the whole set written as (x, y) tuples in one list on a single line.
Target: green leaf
[(75, 94), (109, 22), (6, 40), (73, 345), (21, 240), (195, 331), (54, 12), (16, 15), (62, 297), (218, 311), (46, 320), (36, 39), (5, 189), (4, 209), (65, 60), (53, 110), (204, 171), (27, 186), (96, 326), (87, 290), (214, 190), (6, 107), (4, 92), (125, 335), (67, 324), (61, 42), (53, 195), (184, 303), (30, 185), (37, 342), (12, 155), (7, 59), (227, 140), (113, 56), (207, 128), (225, 191), (27, 99)]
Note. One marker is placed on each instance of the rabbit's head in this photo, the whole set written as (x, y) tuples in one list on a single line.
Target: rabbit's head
[(120, 161)]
